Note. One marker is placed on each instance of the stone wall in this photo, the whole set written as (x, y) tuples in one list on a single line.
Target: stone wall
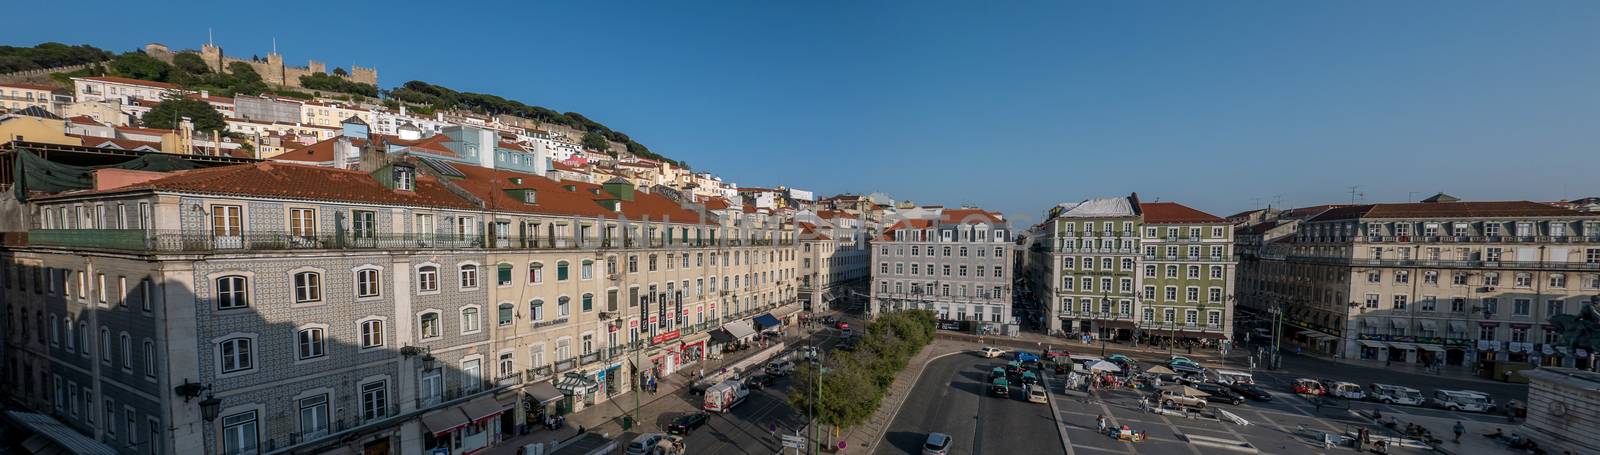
[(1563, 409), (272, 69)]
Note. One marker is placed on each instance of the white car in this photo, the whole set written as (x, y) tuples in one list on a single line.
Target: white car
[(1037, 395), (990, 352)]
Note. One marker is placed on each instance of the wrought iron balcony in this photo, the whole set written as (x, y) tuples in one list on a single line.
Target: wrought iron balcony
[(202, 241)]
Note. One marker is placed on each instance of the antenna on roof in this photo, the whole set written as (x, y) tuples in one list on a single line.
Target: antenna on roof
[(1354, 193)]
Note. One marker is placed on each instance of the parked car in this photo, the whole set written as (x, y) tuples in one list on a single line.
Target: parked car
[(687, 422), (937, 444), (1395, 394), (1029, 379), (642, 444), (997, 373), (759, 381), (1251, 391), (1169, 398), (1037, 394), (1219, 394), (781, 368), (1306, 386), (990, 352), (841, 325), (808, 352), (1463, 400), (1000, 388)]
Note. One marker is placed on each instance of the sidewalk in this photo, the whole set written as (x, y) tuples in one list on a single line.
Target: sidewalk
[(606, 417)]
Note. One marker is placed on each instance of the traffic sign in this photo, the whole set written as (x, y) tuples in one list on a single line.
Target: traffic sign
[(794, 441)]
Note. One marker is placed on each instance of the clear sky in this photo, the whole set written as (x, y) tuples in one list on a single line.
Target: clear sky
[(1010, 106)]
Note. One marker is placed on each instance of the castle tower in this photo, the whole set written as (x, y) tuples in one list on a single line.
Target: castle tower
[(274, 70), (212, 54)]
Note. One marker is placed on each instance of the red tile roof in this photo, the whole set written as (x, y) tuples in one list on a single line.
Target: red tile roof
[(1489, 209), (293, 181), (85, 120), (717, 203), (1175, 213), (124, 144), (552, 197), (954, 216), (128, 81)]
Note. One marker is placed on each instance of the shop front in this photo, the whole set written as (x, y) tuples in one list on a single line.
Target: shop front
[(1430, 354), (538, 403), (463, 429), (1373, 349), (577, 390), (1488, 350), (768, 323), (787, 314)]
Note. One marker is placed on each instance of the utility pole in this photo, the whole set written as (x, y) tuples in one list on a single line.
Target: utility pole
[(1277, 334)]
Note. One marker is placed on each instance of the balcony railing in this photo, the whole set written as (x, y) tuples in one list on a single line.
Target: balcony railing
[(186, 241), (1358, 262), (509, 379)]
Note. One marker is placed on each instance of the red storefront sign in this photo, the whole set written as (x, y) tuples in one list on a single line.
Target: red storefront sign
[(633, 323), (664, 337)]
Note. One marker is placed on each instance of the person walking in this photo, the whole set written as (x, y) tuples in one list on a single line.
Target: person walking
[(1100, 423), (1459, 430)]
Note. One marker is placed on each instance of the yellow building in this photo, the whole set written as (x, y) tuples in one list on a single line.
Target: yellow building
[(35, 129), (16, 96)]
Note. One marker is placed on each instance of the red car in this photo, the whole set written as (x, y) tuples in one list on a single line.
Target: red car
[(842, 325), (1309, 387)]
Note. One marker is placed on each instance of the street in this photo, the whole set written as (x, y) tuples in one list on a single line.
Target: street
[(952, 398)]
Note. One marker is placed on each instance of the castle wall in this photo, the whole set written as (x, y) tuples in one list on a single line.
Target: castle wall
[(272, 69)]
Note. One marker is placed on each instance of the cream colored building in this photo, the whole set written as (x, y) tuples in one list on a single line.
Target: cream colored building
[(835, 257), (332, 113), (1431, 282), (112, 88), (17, 96)]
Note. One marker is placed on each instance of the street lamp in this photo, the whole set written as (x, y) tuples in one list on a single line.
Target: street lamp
[(209, 408)]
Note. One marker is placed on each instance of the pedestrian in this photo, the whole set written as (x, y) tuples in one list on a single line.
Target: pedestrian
[(1459, 430), (1100, 423)]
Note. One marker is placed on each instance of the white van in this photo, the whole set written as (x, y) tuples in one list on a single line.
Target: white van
[(1231, 377), (1395, 394), (1463, 400), (1345, 390)]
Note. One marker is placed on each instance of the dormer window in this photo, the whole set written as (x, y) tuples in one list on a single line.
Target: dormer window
[(529, 196), (405, 178), (516, 180)]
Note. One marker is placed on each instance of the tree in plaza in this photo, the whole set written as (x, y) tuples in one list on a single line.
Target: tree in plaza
[(167, 115), (854, 383)]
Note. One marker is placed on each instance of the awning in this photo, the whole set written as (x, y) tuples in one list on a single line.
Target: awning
[(1402, 346), (1366, 323), (1547, 350), (1431, 347), (482, 407), (740, 329), (61, 436), (720, 336), (767, 321), (1373, 344), (576, 384), (544, 393), (1456, 326), (1429, 325), (785, 311), (444, 420), (1398, 323)]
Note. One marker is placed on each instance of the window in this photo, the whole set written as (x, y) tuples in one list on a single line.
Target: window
[(536, 310), (506, 311), (428, 325), (371, 333), (313, 343), (307, 287), (469, 320), (1521, 307), (1524, 280), (1400, 301), (1402, 276), (535, 273), (1372, 300), (1558, 280), (313, 416), (237, 355), (469, 276), (367, 283), (363, 224), (586, 270), (149, 358), (105, 345), (1555, 307), (562, 305), (1150, 270), (374, 400), (239, 435), (428, 278), (232, 293), (561, 269), (302, 222), (502, 275), (1489, 279), (588, 302)]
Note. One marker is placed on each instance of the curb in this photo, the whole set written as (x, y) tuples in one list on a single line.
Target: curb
[(1055, 416), (896, 413)]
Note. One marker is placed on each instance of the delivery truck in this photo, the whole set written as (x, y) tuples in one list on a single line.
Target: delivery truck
[(725, 395)]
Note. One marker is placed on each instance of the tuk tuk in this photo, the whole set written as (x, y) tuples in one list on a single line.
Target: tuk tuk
[(1305, 386), (1127, 363), (1346, 390), (1014, 369), (1028, 379), (1000, 388), (997, 373)]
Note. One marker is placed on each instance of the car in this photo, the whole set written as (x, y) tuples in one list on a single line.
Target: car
[(1038, 395), (937, 444), (1169, 398), (1187, 369), (687, 422), (781, 368), (1029, 379), (1219, 394), (1251, 391), (644, 443), (1395, 394), (989, 352), (997, 373), (1000, 388), (841, 325), (1305, 386), (846, 333), (759, 381), (807, 352)]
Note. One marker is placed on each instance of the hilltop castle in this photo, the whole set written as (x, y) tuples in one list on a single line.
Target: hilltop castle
[(272, 69)]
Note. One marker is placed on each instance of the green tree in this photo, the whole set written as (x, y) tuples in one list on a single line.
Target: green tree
[(191, 63), (168, 114), (855, 383), (137, 65), (596, 141), (339, 71)]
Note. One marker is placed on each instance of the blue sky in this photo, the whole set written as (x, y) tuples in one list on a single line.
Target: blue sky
[(1010, 106)]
